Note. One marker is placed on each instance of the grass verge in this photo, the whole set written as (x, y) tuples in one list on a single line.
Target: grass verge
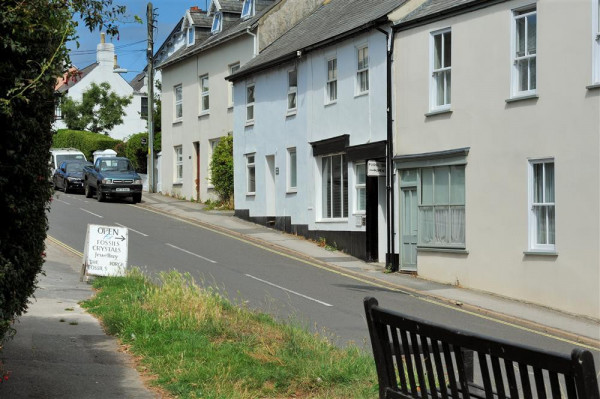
[(198, 345)]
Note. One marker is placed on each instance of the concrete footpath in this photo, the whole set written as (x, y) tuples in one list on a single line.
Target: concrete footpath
[(60, 351)]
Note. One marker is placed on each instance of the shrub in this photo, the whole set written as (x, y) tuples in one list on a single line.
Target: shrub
[(137, 152), (221, 169), (86, 142)]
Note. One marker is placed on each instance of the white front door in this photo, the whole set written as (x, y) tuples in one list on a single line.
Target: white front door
[(409, 229)]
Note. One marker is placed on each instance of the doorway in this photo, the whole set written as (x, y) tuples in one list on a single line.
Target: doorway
[(270, 186), (372, 218), (408, 229), (197, 169)]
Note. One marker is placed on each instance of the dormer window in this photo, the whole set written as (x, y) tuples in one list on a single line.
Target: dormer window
[(217, 23), (190, 35), (248, 9)]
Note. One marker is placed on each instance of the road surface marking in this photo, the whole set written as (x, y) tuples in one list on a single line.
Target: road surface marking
[(129, 228), (290, 291), (92, 213), (191, 253), (64, 202)]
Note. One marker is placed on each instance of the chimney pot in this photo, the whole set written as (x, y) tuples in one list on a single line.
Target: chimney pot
[(102, 38)]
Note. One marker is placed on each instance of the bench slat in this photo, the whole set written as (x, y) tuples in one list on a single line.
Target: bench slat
[(498, 378), (435, 350), (414, 343), (399, 360), (510, 377), (450, 369), (427, 358)]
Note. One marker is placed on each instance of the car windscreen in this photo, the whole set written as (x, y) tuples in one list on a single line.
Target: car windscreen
[(69, 157), (116, 165), (74, 167)]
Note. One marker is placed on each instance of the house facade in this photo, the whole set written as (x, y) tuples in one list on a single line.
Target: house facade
[(197, 109), (497, 131), (310, 129), (105, 69)]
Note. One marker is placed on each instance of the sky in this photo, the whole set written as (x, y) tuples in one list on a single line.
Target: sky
[(131, 44)]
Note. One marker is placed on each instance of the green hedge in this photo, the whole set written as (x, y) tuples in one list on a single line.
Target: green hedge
[(221, 169), (86, 142)]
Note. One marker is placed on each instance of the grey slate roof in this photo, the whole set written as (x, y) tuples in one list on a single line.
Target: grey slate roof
[(206, 41), (231, 6), (138, 81), (332, 21), (435, 9), (201, 20), (77, 76)]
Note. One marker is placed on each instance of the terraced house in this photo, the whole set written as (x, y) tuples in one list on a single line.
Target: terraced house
[(197, 101), (497, 131)]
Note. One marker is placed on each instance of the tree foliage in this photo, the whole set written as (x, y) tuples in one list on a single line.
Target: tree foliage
[(99, 110), (221, 169), (33, 54)]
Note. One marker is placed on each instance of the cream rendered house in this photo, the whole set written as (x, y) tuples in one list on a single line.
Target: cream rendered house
[(497, 148)]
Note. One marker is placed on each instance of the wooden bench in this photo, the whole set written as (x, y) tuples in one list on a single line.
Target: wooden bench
[(416, 358)]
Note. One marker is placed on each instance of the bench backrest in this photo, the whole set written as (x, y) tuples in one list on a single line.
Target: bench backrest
[(419, 359)]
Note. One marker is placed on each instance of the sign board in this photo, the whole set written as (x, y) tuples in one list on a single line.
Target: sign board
[(106, 249), (375, 168)]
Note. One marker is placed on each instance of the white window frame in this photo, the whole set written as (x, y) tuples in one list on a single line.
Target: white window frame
[(442, 73), (217, 24), (517, 14), (331, 85), (362, 69), (204, 94), (596, 42), (212, 144), (250, 104), (327, 214), (292, 92), (250, 171), (548, 246), (360, 188), (248, 9), (233, 68), (178, 104), (190, 36), (178, 175), (292, 170)]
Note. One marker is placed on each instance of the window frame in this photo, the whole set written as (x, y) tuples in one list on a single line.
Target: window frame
[(178, 160), (434, 205), (250, 11), (250, 166), (178, 103), (250, 104), (331, 82), (327, 213), (204, 94), (232, 69), (523, 13), (442, 71), (533, 245), (360, 188), (292, 91), (190, 31), (217, 24), (596, 42), (292, 170), (362, 70)]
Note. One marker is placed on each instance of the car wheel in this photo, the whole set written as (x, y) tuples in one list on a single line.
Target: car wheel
[(88, 190), (137, 198), (66, 186), (99, 195)]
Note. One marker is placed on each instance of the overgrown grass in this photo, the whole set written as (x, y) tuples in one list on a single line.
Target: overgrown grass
[(198, 345)]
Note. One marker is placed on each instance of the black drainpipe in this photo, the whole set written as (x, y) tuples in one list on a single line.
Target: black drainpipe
[(391, 259)]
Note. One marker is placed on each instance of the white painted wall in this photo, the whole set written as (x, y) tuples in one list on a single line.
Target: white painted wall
[(563, 123), (362, 117), (196, 126)]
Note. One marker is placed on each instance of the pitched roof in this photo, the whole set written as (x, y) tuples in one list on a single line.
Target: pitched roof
[(332, 21), (437, 9), (138, 81), (73, 77), (206, 41)]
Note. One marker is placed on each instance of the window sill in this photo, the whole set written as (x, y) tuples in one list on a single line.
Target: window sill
[(178, 184), (204, 113), (364, 93), (249, 123), (331, 103), (593, 86), (439, 112), (522, 98), (340, 220), (291, 191), (291, 112), (460, 251), (250, 194), (177, 121), (230, 107), (534, 252)]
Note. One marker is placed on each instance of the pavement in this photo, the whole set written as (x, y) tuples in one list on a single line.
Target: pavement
[(60, 351)]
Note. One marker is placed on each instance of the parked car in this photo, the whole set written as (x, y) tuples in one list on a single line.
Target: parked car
[(58, 155), (69, 176), (112, 177)]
